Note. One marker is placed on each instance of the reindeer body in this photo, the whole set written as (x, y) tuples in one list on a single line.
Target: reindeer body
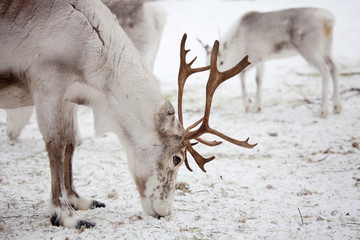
[(56, 54), (279, 34), (142, 21)]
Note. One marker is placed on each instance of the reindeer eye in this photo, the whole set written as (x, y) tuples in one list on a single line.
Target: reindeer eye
[(221, 62), (176, 160)]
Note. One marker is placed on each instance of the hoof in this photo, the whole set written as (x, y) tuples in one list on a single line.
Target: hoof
[(323, 113), (85, 224), (257, 109), (68, 218), (337, 108), (55, 220), (96, 204)]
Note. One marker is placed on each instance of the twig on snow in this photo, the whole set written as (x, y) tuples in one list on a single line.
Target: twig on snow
[(350, 90), (346, 74), (316, 161), (302, 221), (308, 101)]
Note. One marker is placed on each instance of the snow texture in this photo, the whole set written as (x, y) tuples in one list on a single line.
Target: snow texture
[(300, 182)]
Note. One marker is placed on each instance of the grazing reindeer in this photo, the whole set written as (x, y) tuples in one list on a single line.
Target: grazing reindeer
[(279, 34), (142, 21), (56, 54)]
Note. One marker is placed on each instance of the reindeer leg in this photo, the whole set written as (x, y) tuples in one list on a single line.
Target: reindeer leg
[(77, 202), (317, 60), (324, 111), (77, 131), (16, 120), (259, 77), (334, 76), (51, 117), (246, 100)]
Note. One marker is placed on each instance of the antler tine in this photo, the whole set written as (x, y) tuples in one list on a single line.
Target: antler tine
[(185, 71), (208, 143), (230, 72), (200, 160)]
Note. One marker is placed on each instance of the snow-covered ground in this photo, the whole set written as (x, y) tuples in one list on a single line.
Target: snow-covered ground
[(300, 182)]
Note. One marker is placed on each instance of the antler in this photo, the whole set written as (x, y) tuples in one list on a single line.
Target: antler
[(185, 71), (215, 79)]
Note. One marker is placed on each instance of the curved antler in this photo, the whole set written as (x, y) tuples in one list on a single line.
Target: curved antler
[(215, 79)]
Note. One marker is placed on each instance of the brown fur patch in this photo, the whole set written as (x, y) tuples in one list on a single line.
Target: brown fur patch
[(328, 30), (68, 177), (249, 15), (278, 47), (160, 165), (55, 151), (140, 183)]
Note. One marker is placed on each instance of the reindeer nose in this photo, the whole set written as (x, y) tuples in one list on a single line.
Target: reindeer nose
[(162, 211), (156, 210)]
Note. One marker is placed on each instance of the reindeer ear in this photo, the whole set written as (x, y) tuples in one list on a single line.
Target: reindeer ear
[(166, 123)]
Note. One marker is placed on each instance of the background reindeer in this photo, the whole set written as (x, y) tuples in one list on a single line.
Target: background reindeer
[(280, 34), (141, 20), (75, 52)]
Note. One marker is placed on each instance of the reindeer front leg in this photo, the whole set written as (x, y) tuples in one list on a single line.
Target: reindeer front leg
[(77, 202), (53, 120)]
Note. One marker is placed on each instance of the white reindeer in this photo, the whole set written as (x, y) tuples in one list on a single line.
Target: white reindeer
[(280, 34), (56, 54), (142, 21)]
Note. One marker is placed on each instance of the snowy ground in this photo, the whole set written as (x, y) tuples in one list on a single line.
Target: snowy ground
[(300, 182)]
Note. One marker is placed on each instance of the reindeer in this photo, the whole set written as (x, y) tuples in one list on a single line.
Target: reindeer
[(142, 21), (280, 34), (57, 54)]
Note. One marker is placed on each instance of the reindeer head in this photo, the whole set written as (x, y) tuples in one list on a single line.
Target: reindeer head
[(157, 188), (226, 54)]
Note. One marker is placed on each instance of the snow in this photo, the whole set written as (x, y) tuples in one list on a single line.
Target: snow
[(300, 182)]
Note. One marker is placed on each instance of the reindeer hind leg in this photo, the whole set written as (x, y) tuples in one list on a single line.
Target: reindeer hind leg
[(334, 76), (317, 60), (16, 119)]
